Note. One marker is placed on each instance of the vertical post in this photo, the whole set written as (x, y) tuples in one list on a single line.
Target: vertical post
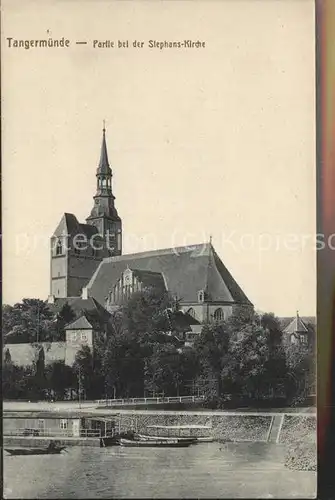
[(79, 387), (38, 322)]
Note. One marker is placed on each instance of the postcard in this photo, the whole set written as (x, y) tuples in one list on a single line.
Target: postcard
[(159, 249)]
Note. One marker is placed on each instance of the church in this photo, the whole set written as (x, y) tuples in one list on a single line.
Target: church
[(90, 273), (87, 262)]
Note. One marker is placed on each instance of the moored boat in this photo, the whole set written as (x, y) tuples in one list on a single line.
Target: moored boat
[(35, 451), (157, 443), (176, 430), (145, 437)]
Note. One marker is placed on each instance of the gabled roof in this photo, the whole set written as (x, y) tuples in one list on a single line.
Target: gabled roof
[(69, 225), (296, 326), (149, 278), (186, 271), (79, 324), (80, 305), (285, 321)]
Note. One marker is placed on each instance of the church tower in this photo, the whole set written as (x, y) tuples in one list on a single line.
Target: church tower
[(77, 249), (104, 215)]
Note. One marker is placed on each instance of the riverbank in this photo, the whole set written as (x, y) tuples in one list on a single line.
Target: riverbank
[(299, 436), (223, 426), (296, 433)]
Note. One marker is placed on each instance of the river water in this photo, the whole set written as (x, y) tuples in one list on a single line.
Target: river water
[(242, 470)]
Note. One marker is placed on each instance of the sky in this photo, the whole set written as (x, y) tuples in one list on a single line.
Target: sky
[(216, 141)]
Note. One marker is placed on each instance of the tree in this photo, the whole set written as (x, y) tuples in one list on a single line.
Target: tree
[(37, 383), (275, 366), (248, 355), (164, 370), (213, 349), (83, 368), (65, 316), (28, 321), (301, 367), (147, 312), (15, 381), (59, 378)]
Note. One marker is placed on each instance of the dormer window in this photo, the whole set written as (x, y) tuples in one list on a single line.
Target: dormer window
[(59, 247), (201, 296)]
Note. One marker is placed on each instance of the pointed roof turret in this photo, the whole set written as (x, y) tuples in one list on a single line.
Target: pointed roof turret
[(296, 326), (103, 163)]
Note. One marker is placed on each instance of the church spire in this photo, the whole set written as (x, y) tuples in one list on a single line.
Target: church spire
[(104, 168), (104, 215)]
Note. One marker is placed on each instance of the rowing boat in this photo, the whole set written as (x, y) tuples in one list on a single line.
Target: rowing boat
[(34, 451)]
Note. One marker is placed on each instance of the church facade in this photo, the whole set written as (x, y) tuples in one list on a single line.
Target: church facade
[(87, 261)]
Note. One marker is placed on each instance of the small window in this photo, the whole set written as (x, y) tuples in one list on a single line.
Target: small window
[(201, 296), (303, 339), (84, 336), (218, 314), (74, 336), (59, 248), (63, 423), (41, 423)]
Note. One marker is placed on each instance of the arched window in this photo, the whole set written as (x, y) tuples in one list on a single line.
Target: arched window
[(191, 312), (59, 247), (218, 314)]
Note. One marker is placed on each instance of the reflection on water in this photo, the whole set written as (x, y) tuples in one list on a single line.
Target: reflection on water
[(243, 470)]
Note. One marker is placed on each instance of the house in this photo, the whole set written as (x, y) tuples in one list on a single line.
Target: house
[(298, 330)]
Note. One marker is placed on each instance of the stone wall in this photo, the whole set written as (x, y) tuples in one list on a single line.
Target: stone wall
[(298, 428), (223, 427), (300, 436)]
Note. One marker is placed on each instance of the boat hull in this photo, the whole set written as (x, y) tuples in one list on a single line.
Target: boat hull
[(34, 451), (194, 440), (144, 437), (155, 443), (205, 439)]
